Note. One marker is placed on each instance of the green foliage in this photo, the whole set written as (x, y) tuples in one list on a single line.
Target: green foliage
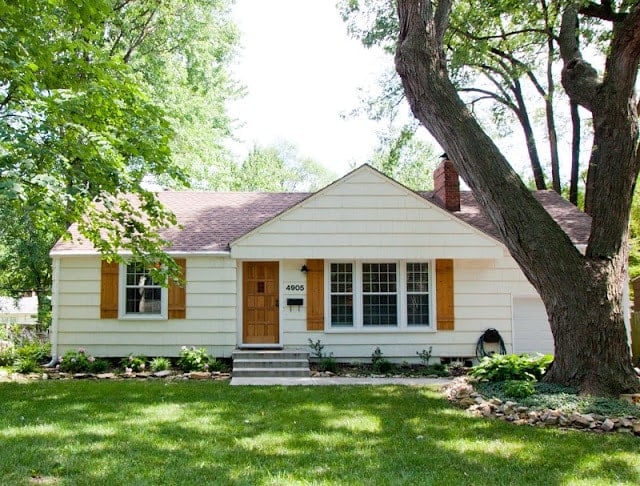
[(500, 367), (75, 361), (25, 365), (376, 355), (279, 168), (160, 364), (383, 366), (519, 388), (317, 348), (557, 397), (133, 363), (34, 350), (98, 365), (425, 355), (7, 355), (192, 359), (328, 363)]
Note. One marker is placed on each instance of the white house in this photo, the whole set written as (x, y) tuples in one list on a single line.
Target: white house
[(362, 263)]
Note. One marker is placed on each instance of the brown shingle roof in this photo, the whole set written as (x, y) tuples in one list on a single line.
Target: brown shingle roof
[(574, 222), (212, 220)]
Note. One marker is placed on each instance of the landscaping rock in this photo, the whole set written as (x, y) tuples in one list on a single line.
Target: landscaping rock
[(581, 420), (105, 376), (163, 373), (510, 411), (199, 375), (81, 376), (608, 425)]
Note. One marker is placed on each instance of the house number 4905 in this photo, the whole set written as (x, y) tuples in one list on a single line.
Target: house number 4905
[(295, 287)]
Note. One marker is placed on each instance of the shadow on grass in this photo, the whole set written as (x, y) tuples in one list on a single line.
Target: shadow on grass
[(204, 433)]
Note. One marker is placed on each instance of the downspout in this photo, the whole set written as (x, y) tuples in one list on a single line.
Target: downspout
[(55, 312)]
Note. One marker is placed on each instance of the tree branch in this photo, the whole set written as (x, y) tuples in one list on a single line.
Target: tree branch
[(579, 78), (602, 10)]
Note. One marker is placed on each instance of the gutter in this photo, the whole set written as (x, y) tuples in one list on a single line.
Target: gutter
[(55, 311)]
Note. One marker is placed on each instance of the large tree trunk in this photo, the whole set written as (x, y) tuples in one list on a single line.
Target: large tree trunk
[(582, 294)]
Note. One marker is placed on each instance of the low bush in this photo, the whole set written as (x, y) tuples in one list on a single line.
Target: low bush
[(7, 355), (383, 366), (34, 350), (160, 364), (192, 359), (75, 361), (99, 365), (504, 367), (328, 363), (134, 363), (25, 365)]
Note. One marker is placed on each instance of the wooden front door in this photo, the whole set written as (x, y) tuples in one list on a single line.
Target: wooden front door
[(260, 303)]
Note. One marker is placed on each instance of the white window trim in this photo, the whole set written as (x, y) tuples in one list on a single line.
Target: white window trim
[(402, 326), (122, 301)]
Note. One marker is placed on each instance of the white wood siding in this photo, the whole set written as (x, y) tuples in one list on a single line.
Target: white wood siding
[(483, 299), (365, 215), (210, 320)]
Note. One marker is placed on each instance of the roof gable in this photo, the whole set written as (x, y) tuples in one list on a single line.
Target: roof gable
[(369, 213)]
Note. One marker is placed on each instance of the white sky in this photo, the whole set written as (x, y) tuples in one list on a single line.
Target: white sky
[(301, 72)]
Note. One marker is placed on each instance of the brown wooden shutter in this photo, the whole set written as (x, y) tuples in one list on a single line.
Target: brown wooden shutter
[(315, 295), (109, 290), (178, 294), (444, 295)]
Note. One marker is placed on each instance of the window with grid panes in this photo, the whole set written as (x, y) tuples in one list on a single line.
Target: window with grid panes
[(341, 290), (142, 294), (418, 294), (379, 294)]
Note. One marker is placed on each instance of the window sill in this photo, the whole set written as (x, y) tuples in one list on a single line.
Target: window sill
[(379, 330), (142, 317)]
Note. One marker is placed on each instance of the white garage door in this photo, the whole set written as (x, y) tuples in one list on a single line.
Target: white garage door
[(531, 331)]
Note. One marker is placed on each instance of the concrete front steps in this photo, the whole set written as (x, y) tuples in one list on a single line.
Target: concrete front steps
[(257, 363)]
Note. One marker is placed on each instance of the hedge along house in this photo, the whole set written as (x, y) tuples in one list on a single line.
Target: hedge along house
[(363, 263)]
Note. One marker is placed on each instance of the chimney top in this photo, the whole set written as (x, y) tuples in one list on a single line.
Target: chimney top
[(447, 184)]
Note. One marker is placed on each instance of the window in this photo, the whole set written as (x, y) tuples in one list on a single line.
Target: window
[(141, 296), (378, 295), (341, 292), (417, 294)]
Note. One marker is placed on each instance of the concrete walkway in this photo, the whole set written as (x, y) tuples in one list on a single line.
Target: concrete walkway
[(337, 380)]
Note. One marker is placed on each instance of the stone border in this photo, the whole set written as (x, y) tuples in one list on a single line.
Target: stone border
[(461, 392), (169, 375)]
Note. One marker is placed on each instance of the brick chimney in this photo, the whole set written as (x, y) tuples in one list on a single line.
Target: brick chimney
[(447, 185)]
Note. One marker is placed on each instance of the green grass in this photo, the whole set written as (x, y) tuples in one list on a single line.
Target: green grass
[(94, 433)]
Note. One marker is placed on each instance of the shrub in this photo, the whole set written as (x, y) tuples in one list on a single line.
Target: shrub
[(160, 364), (317, 348), (328, 363), (134, 363), (192, 359), (383, 366), (7, 354), (376, 355), (519, 388), (75, 361), (34, 350), (25, 365), (98, 365), (505, 367), (425, 355), (436, 369)]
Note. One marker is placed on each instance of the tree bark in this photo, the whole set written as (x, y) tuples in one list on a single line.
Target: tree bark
[(582, 294), (575, 153)]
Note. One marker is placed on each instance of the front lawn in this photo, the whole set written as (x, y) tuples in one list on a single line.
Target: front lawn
[(155, 432)]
